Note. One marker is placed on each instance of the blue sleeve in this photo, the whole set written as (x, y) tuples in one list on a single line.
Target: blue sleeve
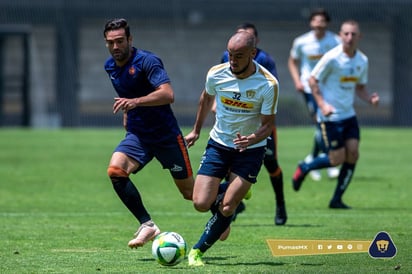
[(155, 71)]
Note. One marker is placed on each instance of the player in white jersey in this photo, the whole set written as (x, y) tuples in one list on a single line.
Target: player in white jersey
[(246, 95), (306, 51), (336, 78)]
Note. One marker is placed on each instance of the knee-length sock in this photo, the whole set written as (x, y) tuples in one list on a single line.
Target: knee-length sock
[(130, 197), (216, 225), (344, 178)]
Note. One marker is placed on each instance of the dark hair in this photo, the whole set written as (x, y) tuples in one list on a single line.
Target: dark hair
[(321, 12), (115, 24), (248, 25)]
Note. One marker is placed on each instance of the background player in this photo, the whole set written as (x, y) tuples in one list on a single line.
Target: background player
[(340, 73), (306, 51)]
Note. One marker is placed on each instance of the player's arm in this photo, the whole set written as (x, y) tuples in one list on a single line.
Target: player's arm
[(362, 93), (267, 124), (205, 105), (162, 95), (317, 95), (293, 65)]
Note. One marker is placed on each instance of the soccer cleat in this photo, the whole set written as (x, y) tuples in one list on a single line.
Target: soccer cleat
[(195, 258), (281, 217), (298, 178), (333, 172), (338, 205), (146, 232)]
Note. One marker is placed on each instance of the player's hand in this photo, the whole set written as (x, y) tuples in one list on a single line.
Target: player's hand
[(374, 99), (191, 138), (299, 87), (241, 142), (327, 109), (123, 104)]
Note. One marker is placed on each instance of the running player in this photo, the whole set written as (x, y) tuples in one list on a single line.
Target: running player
[(246, 95), (306, 51), (340, 73), (271, 158), (144, 96)]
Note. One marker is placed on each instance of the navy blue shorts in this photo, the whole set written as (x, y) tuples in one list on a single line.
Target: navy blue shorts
[(335, 134), (217, 160), (172, 154)]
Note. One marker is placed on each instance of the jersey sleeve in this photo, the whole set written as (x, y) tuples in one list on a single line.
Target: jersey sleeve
[(270, 100), (155, 71)]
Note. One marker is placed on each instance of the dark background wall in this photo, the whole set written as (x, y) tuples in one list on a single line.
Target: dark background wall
[(52, 54)]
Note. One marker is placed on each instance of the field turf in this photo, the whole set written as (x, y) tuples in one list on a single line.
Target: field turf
[(59, 213)]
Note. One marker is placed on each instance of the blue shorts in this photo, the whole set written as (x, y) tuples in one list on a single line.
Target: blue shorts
[(172, 154), (335, 134), (217, 160)]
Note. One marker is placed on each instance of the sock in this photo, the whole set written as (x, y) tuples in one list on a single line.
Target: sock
[(344, 178), (221, 192), (216, 225), (130, 197), (319, 162), (317, 143), (276, 179)]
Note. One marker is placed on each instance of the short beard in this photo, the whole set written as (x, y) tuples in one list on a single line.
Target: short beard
[(241, 71)]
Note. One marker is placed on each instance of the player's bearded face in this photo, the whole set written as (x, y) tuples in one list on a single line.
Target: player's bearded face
[(240, 61), (118, 45)]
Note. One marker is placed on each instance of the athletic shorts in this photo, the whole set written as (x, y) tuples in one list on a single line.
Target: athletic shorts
[(217, 160), (171, 154), (335, 134), (310, 104)]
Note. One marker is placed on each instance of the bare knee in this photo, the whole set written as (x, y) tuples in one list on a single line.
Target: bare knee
[(228, 210), (201, 206)]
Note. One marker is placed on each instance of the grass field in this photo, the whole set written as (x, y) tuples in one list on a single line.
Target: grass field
[(59, 213)]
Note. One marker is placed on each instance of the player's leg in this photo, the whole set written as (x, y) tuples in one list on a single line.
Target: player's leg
[(243, 165), (276, 178), (335, 156), (119, 169), (317, 142), (352, 136), (175, 158)]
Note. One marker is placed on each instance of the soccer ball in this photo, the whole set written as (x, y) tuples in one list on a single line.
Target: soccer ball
[(169, 248)]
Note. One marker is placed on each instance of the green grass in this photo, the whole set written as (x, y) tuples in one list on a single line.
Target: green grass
[(59, 213)]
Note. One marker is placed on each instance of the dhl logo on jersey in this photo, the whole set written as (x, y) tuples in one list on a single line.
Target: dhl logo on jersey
[(349, 79), (235, 103)]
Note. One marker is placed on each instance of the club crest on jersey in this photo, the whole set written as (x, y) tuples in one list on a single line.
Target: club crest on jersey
[(250, 93), (132, 70)]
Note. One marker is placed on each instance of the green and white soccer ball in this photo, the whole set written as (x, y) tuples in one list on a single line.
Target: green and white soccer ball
[(169, 248)]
